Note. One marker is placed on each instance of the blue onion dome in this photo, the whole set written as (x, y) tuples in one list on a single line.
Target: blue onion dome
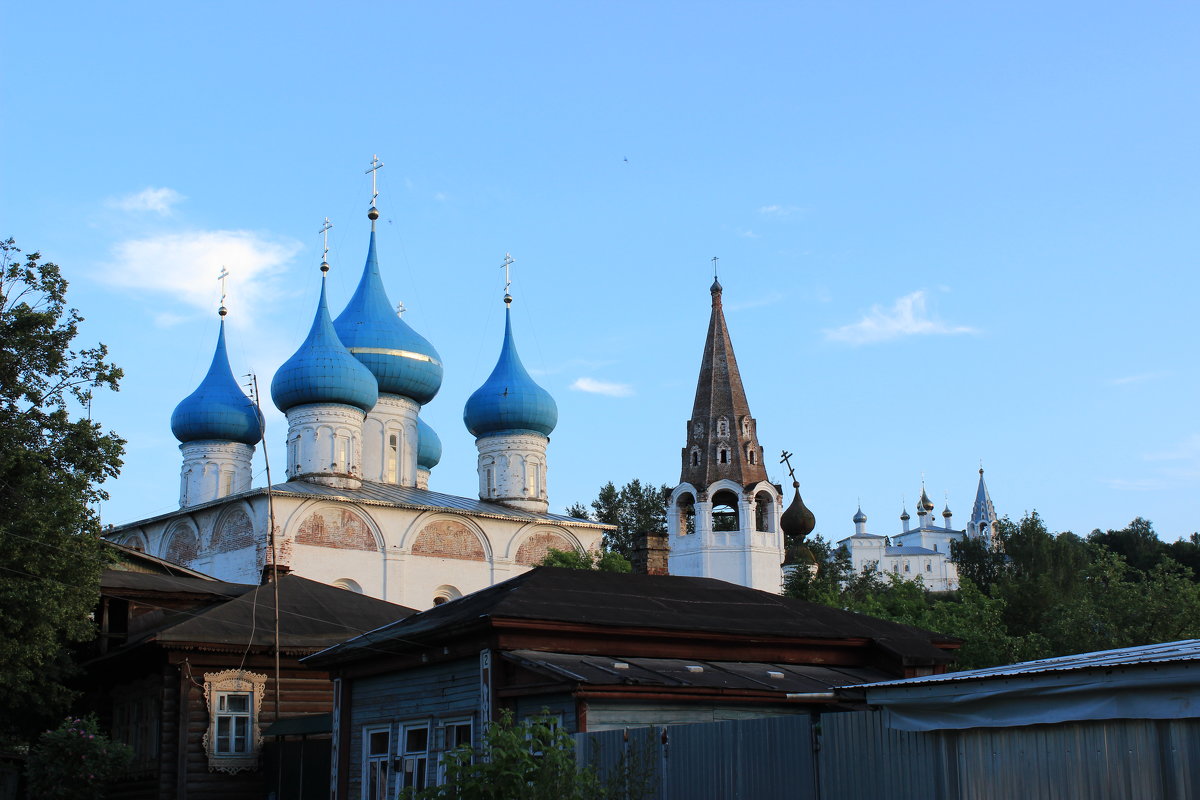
[(860, 516), (429, 446), (323, 371), (509, 401), (401, 360), (218, 410)]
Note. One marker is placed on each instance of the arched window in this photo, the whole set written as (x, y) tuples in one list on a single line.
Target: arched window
[(751, 456), (764, 506), (393, 457), (746, 427), (695, 456), (723, 455), (698, 428), (686, 510), (723, 426), (906, 569), (725, 511)]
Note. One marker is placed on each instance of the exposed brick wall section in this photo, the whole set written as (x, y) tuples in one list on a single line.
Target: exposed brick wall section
[(650, 553), (538, 545), (182, 546), (235, 533), (448, 538), (339, 528)]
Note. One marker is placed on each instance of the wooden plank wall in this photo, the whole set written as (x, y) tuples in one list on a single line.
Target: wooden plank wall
[(433, 693)]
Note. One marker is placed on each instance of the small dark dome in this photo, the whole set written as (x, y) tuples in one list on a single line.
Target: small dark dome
[(904, 517), (860, 516), (946, 512), (797, 521)]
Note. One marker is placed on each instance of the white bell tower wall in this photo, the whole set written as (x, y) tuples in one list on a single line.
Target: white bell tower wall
[(325, 444), (214, 469)]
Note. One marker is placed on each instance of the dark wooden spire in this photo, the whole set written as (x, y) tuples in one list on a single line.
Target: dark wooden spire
[(722, 442)]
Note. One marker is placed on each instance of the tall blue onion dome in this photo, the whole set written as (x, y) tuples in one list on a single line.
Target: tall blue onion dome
[(323, 371), (218, 410), (429, 446), (401, 359), (509, 401)]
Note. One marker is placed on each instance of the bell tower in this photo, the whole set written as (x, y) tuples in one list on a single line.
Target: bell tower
[(723, 517)]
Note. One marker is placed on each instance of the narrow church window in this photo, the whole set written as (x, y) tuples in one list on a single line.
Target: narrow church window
[(722, 426), (393, 457), (750, 455), (695, 457), (928, 567), (342, 461), (491, 483), (746, 427), (724, 456)]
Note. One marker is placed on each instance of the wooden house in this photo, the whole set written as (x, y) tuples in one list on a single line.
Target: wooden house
[(187, 672), (598, 650)]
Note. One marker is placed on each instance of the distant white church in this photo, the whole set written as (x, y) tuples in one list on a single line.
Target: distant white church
[(924, 551), (356, 510)]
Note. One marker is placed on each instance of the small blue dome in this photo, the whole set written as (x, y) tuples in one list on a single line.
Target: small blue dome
[(218, 410), (509, 401), (429, 446), (860, 516), (323, 371), (401, 360)]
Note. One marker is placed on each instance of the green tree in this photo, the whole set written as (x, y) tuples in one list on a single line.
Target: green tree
[(52, 460), (1136, 542), (635, 508), (532, 760), (603, 560)]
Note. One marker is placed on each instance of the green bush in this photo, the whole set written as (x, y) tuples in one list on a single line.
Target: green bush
[(75, 761)]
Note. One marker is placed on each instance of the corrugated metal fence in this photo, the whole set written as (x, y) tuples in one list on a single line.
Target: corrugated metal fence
[(855, 755)]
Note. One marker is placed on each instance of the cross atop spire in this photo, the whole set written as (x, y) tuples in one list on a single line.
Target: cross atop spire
[(325, 243), (507, 263), (715, 259), (786, 459), (373, 213), (222, 278)]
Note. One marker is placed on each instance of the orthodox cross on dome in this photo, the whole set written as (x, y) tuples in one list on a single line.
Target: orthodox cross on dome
[(325, 239), (714, 262), (507, 264), (400, 309), (325, 244), (787, 459), (373, 213), (223, 277)]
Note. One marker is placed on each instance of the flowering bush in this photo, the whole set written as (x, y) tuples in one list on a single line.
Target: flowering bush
[(75, 761)]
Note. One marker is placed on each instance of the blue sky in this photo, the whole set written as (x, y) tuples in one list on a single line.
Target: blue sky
[(948, 232)]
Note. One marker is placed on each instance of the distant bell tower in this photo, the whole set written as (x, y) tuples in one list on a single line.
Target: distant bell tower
[(723, 517)]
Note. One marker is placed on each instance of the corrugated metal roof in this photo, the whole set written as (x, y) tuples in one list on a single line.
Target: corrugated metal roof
[(1167, 652), (679, 672), (387, 494)]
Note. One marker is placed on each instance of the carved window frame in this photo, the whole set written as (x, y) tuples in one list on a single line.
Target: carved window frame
[(233, 680)]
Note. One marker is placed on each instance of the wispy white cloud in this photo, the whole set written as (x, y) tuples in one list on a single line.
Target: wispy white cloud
[(159, 201), (1141, 378), (746, 233), (571, 364), (185, 265), (908, 316), (769, 299), (778, 210), (593, 386), (441, 197)]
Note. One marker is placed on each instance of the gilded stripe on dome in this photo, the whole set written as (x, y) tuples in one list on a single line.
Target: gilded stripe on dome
[(386, 351)]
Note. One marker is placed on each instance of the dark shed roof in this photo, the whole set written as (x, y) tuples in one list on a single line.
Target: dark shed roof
[(312, 615), (669, 603)]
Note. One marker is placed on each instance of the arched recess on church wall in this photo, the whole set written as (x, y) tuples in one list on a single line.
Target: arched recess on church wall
[(533, 542), (339, 526), (450, 536), (726, 496), (135, 540), (181, 542), (234, 529)]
